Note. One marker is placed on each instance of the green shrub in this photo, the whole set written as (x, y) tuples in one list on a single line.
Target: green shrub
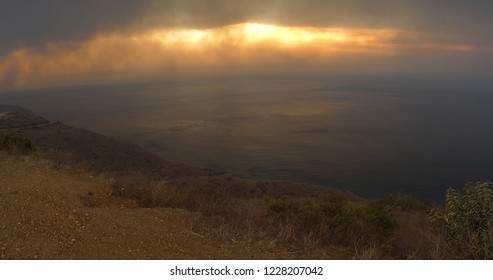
[(466, 223), (335, 220), (15, 143)]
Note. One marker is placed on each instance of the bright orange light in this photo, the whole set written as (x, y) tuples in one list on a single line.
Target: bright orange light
[(253, 34), (257, 33), (177, 36), (239, 45)]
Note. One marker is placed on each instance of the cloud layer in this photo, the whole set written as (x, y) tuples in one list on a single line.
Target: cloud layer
[(25, 22), (44, 39), (31, 23)]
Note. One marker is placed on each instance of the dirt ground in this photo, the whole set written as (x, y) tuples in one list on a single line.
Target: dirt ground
[(55, 214)]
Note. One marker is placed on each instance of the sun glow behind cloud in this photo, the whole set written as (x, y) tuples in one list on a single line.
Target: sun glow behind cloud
[(250, 35), (239, 45), (289, 36)]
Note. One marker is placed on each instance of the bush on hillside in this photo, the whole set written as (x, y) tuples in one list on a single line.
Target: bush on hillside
[(465, 226), (335, 220), (15, 144)]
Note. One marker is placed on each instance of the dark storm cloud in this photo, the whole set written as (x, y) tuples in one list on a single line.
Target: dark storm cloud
[(197, 13), (455, 16), (33, 22), (28, 22)]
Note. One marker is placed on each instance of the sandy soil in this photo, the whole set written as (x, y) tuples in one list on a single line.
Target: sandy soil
[(54, 214)]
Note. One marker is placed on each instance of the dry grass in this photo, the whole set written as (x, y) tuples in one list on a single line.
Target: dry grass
[(375, 230), (369, 252), (392, 228), (302, 225)]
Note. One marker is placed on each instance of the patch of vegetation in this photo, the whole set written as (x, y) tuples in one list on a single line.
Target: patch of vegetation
[(15, 144), (368, 229), (465, 226), (335, 220), (405, 203), (160, 194)]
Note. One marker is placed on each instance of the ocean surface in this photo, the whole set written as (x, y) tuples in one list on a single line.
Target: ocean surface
[(372, 136)]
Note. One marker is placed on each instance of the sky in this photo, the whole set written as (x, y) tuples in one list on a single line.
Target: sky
[(59, 41)]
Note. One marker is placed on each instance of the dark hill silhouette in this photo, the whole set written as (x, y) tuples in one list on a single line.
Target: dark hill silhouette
[(10, 119), (70, 146), (15, 109)]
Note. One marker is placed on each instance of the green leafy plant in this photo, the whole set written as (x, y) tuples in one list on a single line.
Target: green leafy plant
[(465, 226)]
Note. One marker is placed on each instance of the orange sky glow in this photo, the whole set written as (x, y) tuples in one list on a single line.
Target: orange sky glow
[(246, 44)]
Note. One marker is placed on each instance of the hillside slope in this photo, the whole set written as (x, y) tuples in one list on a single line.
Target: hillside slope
[(92, 152), (50, 214)]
